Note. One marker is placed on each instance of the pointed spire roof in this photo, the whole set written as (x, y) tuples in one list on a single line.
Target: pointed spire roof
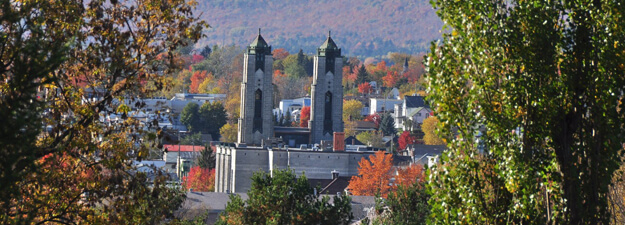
[(259, 45), (259, 41), (328, 47)]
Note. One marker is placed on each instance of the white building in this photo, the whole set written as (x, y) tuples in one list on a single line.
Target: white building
[(382, 105), (290, 105), (411, 112)]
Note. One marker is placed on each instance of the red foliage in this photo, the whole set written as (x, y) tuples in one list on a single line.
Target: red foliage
[(196, 79), (280, 53), (406, 139), (348, 75), (199, 179), (375, 118), (196, 58), (304, 116), (364, 88)]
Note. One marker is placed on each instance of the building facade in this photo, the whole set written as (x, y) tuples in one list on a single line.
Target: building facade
[(256, 121), (326, 114)]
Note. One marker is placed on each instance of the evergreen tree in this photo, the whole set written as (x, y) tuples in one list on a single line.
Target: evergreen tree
[(387, 126), (287, 119), (190, 117), (362, 76), (206, 160)]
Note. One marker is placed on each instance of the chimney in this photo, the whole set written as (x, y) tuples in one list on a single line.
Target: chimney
[(335, 174), (339, 141)]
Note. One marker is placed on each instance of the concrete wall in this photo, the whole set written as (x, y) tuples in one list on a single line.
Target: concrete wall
[(235, 166)]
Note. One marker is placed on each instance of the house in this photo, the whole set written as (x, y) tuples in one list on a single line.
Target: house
[(290, 105), (377, 105), (180, 165), (409, 115)]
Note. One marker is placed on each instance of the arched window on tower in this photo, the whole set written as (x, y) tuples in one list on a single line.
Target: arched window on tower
[(327, 116), (258, 106)]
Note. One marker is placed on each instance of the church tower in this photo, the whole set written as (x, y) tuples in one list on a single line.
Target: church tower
[(256, 121), (327, 93)]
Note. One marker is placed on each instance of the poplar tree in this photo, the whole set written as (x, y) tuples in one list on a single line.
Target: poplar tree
[(544, 82)]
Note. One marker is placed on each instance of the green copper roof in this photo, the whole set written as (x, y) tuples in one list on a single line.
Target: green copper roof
[(329, 44), (259, 45), (259, 42), (329, 48)]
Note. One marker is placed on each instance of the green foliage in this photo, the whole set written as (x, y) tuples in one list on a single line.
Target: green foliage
[(387, 126), (190, 116), (285, 199), (544, 80), (404, 206), (362, 76), (206, 160), (212, 117), (298, 65), (192, 139), (371, 138), (220, 61)]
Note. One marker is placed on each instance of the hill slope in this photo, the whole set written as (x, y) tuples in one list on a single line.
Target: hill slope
[(359, 27)]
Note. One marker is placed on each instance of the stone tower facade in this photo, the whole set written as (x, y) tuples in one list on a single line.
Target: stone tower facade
[(256, 121), (326, 115)]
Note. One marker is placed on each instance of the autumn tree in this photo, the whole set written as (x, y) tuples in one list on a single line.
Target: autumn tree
[(543, 82), (196, 79), (283, 198), (365, 88), (304, 116), (374, 175), (390, 79), (352, 110), (228, 133), (375, 118), (65, 65), (405, 139), (429, 128), (199, 179)]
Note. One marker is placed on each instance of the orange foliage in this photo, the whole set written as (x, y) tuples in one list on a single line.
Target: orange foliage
[(409, 175), (280, 54), (196, 79), (374, 175), (390, 79), (200, 179), (304, 116), (364, 88)]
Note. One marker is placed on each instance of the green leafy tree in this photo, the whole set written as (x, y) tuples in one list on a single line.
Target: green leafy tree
[(190, 116), (212, 117), (283, 198), (63, 65), (544, 82), (371, 138), (407, 204)]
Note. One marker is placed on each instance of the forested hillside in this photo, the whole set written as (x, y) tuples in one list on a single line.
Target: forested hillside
[(360, 27)]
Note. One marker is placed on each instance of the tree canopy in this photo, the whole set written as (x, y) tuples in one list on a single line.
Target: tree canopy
[(541, 83), (66, 65), (283, 198)]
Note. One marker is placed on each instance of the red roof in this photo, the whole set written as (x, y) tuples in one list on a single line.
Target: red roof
[(183, 148)]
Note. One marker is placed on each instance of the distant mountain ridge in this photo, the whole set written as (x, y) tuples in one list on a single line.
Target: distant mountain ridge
[(360, 27)]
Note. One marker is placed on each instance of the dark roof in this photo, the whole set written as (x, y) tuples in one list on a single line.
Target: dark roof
[(351, 140), (365, 125), (259, 46), (300, 130), (415, 102), (329, 48), (330, 186)]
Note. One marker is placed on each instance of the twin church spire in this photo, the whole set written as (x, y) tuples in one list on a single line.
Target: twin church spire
[(256, 116)]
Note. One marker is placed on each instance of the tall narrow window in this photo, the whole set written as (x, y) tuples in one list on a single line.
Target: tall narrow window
[(327, 116), (258, 106)]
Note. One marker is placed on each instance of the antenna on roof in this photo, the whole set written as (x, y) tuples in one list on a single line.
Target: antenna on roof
[(259, 31), (329, 32)]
